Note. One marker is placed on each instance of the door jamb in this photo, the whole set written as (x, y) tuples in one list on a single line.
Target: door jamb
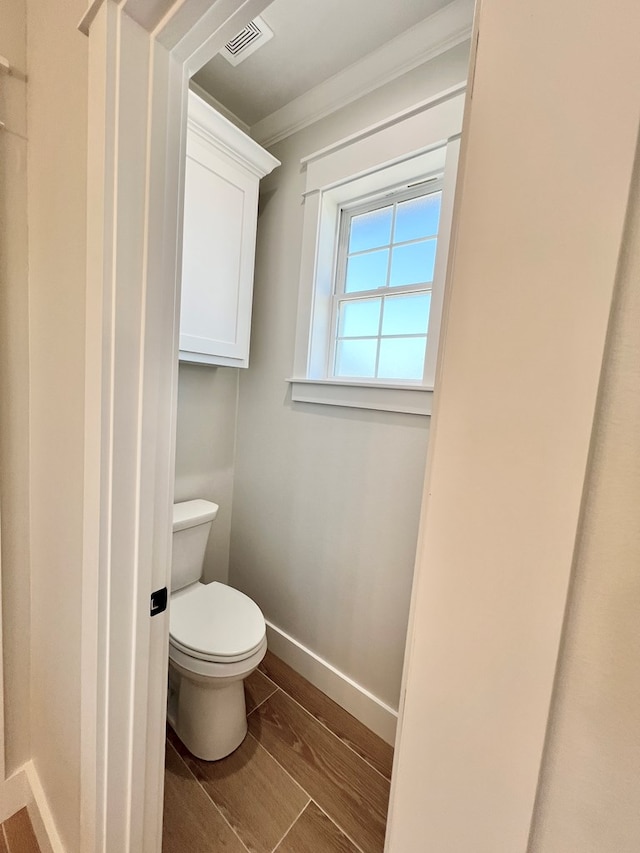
[(138, 74)]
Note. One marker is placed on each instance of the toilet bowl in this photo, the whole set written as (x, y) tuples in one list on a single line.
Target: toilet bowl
[(217, 637)]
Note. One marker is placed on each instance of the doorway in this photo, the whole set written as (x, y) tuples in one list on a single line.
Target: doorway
[(328, 561), (147, 378), (120, 699)]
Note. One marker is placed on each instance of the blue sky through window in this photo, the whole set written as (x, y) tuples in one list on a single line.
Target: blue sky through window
[(418, 217), (360, 318), (406, 315), (413, 263), (370, 230), (367, 272)]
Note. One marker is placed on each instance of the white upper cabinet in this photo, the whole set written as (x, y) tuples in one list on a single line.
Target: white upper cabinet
[(223, 170)]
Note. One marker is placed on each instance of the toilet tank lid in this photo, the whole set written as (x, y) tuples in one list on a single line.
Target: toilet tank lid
[(191, 513)]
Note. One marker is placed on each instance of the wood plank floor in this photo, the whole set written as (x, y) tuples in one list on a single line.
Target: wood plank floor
[(17, 835), (309, 778)]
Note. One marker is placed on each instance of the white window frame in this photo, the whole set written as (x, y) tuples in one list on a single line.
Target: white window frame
[(415, 146), (420, 189)]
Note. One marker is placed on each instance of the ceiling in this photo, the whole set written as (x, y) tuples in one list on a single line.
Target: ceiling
[(313, 40)]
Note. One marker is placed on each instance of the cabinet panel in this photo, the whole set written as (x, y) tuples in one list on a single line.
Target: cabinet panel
[(216, 311), (220, 219)]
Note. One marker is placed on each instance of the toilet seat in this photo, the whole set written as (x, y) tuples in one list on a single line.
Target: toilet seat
[(215, 623), (212, 673)]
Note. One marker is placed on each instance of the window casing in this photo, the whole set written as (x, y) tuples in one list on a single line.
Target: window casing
[(409, 153)]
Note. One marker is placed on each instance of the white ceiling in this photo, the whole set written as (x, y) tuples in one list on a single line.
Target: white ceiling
[(313, 40)]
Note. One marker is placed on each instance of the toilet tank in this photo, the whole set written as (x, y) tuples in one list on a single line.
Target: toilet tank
[(191, 526)]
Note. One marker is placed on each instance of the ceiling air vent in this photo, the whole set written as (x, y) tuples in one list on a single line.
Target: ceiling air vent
[(248, 40)]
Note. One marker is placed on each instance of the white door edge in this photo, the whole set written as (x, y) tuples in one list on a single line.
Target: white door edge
[(135, 175)]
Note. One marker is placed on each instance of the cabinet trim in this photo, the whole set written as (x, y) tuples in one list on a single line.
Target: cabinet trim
[(218, 131)]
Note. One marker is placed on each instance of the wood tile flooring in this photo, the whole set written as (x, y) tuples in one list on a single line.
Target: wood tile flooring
[(308, 778), (17, 835)]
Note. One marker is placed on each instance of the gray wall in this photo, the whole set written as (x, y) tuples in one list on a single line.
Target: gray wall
[(326, 499), (590, 786), (205, 450)]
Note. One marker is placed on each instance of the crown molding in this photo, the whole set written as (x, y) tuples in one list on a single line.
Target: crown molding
[(215, 103), (441, 31), (226, 137)]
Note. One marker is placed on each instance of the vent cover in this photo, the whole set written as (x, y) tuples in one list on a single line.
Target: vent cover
[(247, 41)]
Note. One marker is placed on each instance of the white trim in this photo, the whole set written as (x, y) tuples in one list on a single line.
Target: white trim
[(452, 156), (215, 103), (136, 142), (382, 158), (441, 31), (220, 133), (370, 130), (191, 357), (411, 400), (357, 700), (414, 133)]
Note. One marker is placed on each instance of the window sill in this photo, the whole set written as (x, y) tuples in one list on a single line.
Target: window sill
[(413, 400)]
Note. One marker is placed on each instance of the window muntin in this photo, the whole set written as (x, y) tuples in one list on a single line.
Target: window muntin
[(384, 275)]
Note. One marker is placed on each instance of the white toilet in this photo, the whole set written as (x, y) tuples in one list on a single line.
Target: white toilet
[(217, 638)]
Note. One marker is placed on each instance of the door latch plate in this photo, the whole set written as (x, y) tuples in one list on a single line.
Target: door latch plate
[(159, 601)]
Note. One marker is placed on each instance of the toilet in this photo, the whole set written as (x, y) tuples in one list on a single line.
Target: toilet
[(217, 637)]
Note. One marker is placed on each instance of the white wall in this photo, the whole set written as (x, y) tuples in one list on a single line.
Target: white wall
[(590, 784), (539, 228), (14, 384), (57, 119), (205, 452), (326, 499)]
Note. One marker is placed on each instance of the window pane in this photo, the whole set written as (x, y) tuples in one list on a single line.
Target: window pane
[(366, 272), (413, 264), (401, 358), (356, 358), (370, 230), (417, 218), (406, 315), (360, 318)]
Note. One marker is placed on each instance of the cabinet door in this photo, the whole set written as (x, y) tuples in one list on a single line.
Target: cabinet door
[(220, 214)]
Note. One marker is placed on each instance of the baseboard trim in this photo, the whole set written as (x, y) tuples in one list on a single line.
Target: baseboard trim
[(350, 695)]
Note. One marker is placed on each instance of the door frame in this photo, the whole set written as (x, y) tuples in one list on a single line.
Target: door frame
[(141, 53)]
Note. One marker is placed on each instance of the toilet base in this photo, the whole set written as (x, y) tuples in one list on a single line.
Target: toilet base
[(209, 715)]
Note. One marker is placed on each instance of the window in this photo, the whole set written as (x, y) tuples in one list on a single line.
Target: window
[(384, 276), (377, 217)]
